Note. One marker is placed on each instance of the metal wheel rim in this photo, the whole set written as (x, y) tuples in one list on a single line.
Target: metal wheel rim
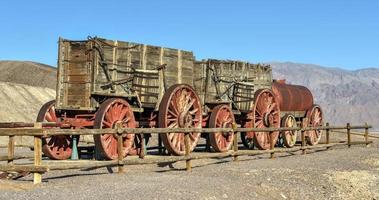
[(178, 102)]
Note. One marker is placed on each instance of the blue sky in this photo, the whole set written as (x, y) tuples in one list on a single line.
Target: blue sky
[(338, 33)]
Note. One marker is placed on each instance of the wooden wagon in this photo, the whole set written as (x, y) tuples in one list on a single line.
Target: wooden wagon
[(106, 83)]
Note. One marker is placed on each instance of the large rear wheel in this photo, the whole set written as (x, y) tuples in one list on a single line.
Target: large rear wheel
[(180, 108), (264, 114)]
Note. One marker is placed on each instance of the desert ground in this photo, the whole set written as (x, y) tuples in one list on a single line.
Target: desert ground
[(337, 173)]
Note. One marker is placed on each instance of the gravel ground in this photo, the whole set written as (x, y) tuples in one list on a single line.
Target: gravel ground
[(339, 173)]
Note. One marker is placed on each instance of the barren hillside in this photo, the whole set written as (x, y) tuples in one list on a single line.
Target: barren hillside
[(28, 73)]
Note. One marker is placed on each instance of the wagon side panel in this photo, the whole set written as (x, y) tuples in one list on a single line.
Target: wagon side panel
[(74, 76), (255, 77)]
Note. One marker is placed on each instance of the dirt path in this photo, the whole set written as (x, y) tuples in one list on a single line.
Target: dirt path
[(335, 174)]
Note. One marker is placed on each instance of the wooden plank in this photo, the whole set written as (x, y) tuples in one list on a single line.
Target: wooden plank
[(11, 146), (23, 168), (235, 143), (187, 151), (45, 132), (6, 158), (37, 155), (348, 135)]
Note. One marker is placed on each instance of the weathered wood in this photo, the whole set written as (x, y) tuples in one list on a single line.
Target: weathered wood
[(37, 155), (24, 168), (51, 132), (6, 158), (23, 124), (303, 141), (20, 131), (120, 149), (187, 151), (366, 134), (80, 164), (11, 147), (356, 133), (327, 133), (143, 147), (235, 143), (348, 135), (360, 142), (112, 61), (230, 80)]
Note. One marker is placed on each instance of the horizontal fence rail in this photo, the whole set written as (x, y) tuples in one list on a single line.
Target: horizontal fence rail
[(40, 130), (53, 132)]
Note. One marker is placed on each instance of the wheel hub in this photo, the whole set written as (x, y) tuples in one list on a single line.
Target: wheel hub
[(185, 120), (268, 119), (226, 125)]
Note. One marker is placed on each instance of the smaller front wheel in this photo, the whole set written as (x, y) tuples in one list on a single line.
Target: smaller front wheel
[(57, 147), (221, 117), (289, 137), (315, 118), (112, 112)]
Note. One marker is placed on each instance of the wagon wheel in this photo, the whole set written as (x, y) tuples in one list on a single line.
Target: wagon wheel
[(315, 118), (55, 147), (221, 117), (110, 113), (180, 108), (264, 114), (289, 137)]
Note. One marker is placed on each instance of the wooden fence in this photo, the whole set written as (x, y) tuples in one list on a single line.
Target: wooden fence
[(38, 132)]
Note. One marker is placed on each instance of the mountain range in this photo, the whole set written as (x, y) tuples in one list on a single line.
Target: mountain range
[(345, 96)]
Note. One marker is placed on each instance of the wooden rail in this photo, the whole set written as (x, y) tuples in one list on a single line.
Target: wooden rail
[(39, 167)]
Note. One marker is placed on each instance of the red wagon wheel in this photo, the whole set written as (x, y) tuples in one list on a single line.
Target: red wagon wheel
[(180, 108), (110, 113), (55, 147), (289, 137), (221, 117), (264, 114), (315, 118)]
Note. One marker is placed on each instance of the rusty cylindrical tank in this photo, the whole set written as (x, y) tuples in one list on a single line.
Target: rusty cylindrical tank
[(292, 97)]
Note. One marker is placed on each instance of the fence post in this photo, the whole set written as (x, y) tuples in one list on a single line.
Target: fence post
[(187, 151), (366, 134), (143, 147), (348, 135), (120, 149), (305, 121), (37, 154), (303, 141), (327, 133), (235, 142), (11, 149), (159, 144), (272, 146)]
